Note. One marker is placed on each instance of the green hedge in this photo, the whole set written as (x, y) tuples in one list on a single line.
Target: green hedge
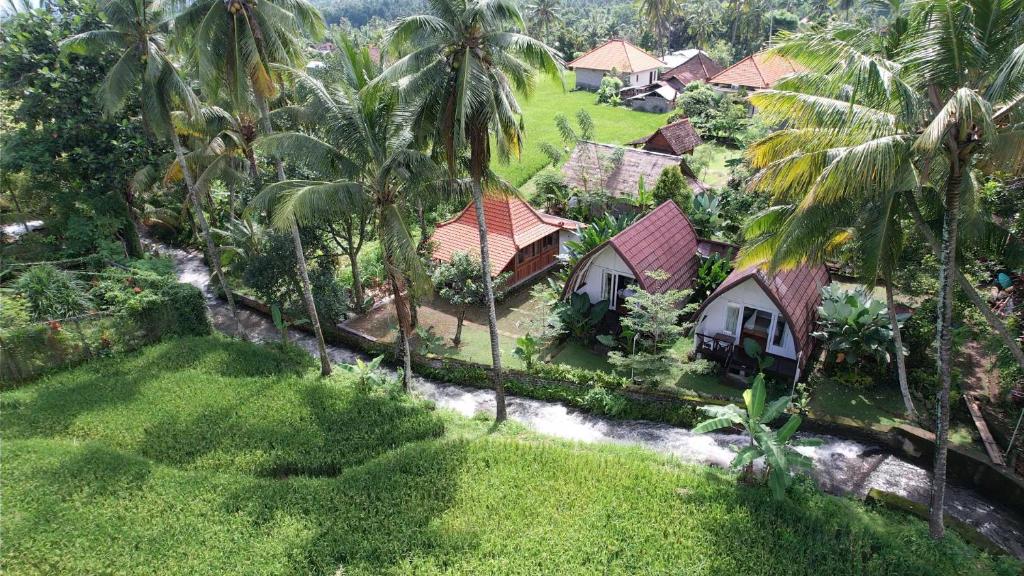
[(28, 351), (180, 310)]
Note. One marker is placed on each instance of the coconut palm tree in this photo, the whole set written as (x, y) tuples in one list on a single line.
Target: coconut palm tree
[(948, 104), (138, 30), (658, 15), (234, 46), (544, 15), (466, 61), (361, 142)]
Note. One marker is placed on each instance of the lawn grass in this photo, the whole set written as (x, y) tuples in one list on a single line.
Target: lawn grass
[(207, 456), (613, 125), (716, 174), (870, 407)]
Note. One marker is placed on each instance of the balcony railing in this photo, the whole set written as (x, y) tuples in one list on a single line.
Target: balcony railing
[(718, 347)]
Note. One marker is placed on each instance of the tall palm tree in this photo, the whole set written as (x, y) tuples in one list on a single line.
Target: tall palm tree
[(658, 15), (138, 30), (544, 15), (235, 45), (861, 123), (361, 143), (468, 60)]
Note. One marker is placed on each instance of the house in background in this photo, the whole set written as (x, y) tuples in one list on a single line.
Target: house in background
[(617, 170), (658, 98), (676, 138), (778, 311), (631, 64), (756, 72), (688, 66), (522, 240)]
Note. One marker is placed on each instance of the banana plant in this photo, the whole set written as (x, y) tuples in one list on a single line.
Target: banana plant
[(367, 374), (775, 447)]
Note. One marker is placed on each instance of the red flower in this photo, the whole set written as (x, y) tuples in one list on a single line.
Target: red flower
[(136, 289)]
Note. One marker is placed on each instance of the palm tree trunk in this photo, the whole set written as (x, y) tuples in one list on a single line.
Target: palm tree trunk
[(477, 158), (357, 281), (211, 249), (947, 271), (421, 217), (966, 287), (404, 323), (300, 256), (901, 363)]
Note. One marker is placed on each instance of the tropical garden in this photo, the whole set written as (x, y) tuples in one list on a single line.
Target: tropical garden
[(183, 182)]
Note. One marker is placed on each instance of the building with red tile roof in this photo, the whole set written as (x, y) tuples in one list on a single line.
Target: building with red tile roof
[(776, 310), (756, 72), (657, 253), (676, 138), (522, 240), (696, 66), (633, 65)]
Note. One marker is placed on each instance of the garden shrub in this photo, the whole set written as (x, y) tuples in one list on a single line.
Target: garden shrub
[(52, 293), (179, 310)]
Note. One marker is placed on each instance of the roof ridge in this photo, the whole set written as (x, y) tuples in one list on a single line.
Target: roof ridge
[(757, 67), (627, 148)]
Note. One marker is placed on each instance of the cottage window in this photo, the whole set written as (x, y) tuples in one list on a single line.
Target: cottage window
[(732, 316), (780, 331), (549, 240), (608, 288)]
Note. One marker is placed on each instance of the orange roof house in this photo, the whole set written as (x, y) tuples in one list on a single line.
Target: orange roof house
[(634, 66), (756, 72), (521, 239)]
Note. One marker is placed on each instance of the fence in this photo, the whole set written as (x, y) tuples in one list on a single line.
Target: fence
[(32, 350)]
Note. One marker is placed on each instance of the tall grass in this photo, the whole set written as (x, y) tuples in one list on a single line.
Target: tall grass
[(206, 456)]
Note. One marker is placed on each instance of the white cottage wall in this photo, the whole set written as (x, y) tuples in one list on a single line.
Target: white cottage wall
[(749, 294), (607, 260)]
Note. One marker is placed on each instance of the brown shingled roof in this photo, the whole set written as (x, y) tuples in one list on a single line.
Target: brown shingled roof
[(796, 292), (662, 240), (757, 72), (590, 161), (676, 138), (511, 224), (699, 67), (617, 54)]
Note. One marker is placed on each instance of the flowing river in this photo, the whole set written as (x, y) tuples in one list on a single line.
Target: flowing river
[(841, 466)]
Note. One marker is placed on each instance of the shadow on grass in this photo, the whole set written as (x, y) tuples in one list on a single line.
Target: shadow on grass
[(374, 516)]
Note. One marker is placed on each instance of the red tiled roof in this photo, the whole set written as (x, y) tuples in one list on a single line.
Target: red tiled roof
[(511, 225), (757, 72), (663, 240), (698, 68), (619, 55), (676, 138), (796, 292)]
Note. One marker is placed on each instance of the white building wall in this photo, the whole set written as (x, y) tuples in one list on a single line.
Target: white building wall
[(563, 237), (750, 294), (587, 79), (605, 260)]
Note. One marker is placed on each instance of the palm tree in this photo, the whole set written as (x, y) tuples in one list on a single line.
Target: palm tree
[(138, 31), (544, 14), (861, 124), (468, 59), (870, 232), (658, 14), (703, 18), (363, 149), (235, 45)]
